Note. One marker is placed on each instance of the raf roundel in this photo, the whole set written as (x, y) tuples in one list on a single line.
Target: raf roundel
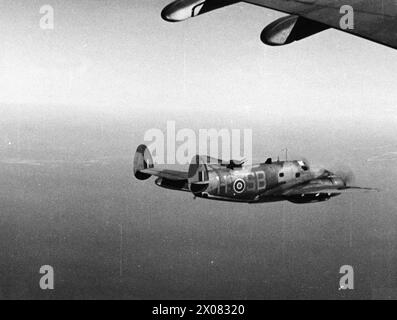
[(239, 185)]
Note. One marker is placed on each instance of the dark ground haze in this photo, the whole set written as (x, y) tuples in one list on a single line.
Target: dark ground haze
[(68, 199)]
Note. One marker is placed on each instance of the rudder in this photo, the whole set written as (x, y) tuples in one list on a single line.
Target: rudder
[(142, 160)]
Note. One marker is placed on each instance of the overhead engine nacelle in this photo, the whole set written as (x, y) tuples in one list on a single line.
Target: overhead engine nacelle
[(289, 29), (180, 10)]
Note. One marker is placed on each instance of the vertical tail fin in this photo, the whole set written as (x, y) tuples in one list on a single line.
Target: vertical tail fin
[(142, 160)]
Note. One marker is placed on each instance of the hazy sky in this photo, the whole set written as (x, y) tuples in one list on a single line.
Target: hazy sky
[(119, 55)]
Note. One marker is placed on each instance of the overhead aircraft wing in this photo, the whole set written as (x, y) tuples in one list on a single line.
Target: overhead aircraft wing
[(373, 20)]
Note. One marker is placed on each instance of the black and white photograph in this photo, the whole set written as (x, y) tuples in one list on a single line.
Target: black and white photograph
[(211, 151)]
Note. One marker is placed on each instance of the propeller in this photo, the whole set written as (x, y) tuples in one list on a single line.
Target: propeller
[(346, 175)]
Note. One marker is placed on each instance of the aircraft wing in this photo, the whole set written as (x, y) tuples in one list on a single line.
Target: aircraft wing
[(167, 174), (314, 189), (373, 20), (215, 162)]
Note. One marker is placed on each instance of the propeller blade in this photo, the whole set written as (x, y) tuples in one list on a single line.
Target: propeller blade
[(346, 175)]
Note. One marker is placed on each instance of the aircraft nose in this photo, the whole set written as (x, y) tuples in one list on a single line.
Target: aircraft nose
[(320, 172)]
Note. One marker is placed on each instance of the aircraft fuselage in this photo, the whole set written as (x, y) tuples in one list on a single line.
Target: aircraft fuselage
[(263, 182)]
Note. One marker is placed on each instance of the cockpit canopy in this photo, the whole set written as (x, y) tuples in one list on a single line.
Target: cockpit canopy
[(304, 165)]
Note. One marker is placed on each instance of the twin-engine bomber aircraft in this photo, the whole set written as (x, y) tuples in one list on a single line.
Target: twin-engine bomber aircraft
[(375, 20), (270, 181)]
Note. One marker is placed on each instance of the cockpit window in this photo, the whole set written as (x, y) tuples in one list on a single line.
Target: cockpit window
[(303, 165)]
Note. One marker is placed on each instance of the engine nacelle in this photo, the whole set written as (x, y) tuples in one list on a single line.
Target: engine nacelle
[(311, 198), (180, 10), (172, 184), (289, 29)]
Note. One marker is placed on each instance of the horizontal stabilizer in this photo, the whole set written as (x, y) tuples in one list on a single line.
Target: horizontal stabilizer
[(165, 173)]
